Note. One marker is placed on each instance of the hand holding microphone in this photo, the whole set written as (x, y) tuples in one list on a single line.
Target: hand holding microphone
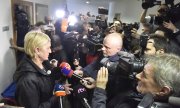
[(81, 93), (67, 71), (84, 82)]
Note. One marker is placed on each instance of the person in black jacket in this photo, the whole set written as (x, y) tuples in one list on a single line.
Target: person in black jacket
[(116, 84), (34, 79)]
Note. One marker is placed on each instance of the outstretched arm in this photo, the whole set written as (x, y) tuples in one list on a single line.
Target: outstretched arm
[(14, 46), (99, 96)]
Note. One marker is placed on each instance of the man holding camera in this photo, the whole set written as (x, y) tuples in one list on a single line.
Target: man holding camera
[(112, 44), (166, 18), (159, 79)]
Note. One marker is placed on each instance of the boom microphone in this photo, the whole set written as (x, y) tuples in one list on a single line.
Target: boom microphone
[(67, 71), (81, 93)]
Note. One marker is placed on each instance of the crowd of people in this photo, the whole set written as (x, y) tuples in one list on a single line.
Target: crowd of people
[(93, 50)]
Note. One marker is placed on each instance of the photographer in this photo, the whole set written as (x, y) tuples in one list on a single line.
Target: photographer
[(156, 45), (160, 79), (166, 18)]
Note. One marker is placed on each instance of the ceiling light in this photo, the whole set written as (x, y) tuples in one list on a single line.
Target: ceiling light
[(87, 2)]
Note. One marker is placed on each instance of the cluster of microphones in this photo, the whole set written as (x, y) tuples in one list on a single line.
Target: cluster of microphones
[(79, 90), (81, 93)]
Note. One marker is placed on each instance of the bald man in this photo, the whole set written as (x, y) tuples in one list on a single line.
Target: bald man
[(112, 44)]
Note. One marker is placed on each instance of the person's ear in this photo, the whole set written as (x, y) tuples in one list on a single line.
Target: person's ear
[(165, 91), (37, 50)]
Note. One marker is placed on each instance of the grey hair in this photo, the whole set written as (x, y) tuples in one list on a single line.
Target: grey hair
[(166, 69)]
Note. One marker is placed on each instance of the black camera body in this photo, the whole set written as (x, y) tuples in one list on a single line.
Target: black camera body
[(128, 65), (128, 27), (171, 14), (149, 3), (127, 40)]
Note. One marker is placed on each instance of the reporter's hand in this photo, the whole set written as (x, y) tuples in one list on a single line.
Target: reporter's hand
[(86, 80), (67, 88), (169, 25), (54, 63), (102, 78), (13, 45), (79, 72)]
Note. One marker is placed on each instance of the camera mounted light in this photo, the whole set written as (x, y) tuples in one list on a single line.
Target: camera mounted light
[(72, 20), (60, 13)]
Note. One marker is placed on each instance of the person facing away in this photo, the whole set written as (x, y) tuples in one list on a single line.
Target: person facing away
[(34, 80)]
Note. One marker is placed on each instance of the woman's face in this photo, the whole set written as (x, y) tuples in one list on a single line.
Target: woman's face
[(43, 52)]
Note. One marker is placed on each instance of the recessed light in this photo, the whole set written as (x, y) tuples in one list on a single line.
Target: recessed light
[(87, 2)]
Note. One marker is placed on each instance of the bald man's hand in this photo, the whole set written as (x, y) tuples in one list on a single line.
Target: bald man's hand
[(102, 78)]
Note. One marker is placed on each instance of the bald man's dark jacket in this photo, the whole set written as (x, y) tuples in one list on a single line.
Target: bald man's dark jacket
[(116, 84)]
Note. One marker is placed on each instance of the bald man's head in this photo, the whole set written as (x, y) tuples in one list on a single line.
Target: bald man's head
[(112, 44)]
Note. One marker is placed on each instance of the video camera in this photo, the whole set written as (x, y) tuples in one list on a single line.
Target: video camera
[(128, 27), (169, 14), (149, 3), (128, 34), (128, 65)]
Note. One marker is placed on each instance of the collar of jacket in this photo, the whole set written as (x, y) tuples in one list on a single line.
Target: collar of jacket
[(44, 72), (114, 58)]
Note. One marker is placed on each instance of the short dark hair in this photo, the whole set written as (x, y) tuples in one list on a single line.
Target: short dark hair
[(159, 42)]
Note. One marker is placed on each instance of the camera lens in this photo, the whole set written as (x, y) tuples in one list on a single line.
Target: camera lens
[(138, 66)]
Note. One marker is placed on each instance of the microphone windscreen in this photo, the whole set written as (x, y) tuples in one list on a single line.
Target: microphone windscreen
[(66, 69), (80, 91), (59, 90), (67, 72), (65, 64)]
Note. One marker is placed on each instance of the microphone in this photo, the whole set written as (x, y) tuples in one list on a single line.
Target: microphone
[(81, 93), (147, 101), (174, 101), (67, 71), (59, 91)]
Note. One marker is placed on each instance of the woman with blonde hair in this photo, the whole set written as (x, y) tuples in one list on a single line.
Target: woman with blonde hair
[(35, 82)]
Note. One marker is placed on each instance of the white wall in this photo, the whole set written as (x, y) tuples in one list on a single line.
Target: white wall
[(79, 6), (53, 5), (7, 58), (130, 10)]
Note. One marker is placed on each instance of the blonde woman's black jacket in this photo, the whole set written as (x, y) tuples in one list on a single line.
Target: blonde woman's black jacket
[(35, 86)]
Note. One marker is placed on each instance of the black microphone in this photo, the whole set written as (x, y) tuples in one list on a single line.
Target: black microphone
[(174, 101), (81, 93), (67, 71), (147, 101)]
